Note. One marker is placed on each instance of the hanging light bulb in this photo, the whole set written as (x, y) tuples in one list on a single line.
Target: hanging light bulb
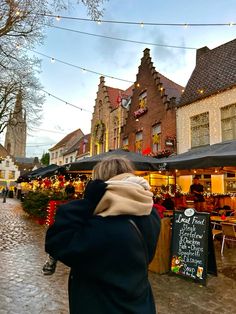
[(58, 18), (52, 60), (142, 24)]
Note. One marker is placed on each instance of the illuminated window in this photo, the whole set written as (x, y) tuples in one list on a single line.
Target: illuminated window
[(200, 130), (126, 143), (2, 174), (228, 122), (143, 99), (115, 133), (11, 175), (156, 138), (139, 141)]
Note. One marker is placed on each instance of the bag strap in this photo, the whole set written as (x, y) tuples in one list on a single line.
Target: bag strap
[(141, 238)]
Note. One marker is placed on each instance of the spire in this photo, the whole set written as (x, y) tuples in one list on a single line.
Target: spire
[(15, 139), (18, 104)]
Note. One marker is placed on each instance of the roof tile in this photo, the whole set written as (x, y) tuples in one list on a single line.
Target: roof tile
[(214, 72)]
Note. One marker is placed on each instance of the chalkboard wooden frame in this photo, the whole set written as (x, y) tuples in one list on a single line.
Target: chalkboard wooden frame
[(192, 245)]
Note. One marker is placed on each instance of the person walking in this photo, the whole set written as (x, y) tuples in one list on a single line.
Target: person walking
[(108, 238), (197, 189), (70, 190)]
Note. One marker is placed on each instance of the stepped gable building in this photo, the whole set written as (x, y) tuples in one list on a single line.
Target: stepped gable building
[(150, 126), (109, 116), (83, 147), (79, 150), (58, 151), (206, 113), (15, 139), (9, 172)]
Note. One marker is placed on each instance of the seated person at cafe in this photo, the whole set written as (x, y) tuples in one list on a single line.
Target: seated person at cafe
[(196, 189), (159, 207), (168, 202)]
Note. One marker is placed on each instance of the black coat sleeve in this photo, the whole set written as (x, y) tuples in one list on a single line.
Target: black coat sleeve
[(69, 226)]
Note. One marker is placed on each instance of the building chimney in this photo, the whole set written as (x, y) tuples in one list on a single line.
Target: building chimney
[(201, 51)]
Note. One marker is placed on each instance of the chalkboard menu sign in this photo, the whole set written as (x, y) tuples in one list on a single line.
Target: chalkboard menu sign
[(190, 245)]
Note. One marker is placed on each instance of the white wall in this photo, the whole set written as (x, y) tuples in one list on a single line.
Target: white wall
[(212, 105)]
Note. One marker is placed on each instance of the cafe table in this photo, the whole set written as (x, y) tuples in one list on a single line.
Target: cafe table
[(223, 219), (168, 213), (216, 222)]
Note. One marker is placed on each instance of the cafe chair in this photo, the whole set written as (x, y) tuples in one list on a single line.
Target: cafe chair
[(233, 213), (229, 234), (216, 229)]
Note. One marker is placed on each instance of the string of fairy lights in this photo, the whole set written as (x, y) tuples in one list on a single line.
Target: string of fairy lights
[(53, 60), (142, 24), (58, 17), (121, 39), (65, 102)]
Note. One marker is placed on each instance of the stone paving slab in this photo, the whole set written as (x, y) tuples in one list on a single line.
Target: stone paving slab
[(25, 290)]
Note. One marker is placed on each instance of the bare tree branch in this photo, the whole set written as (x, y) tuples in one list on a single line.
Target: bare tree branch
[(22, 25)]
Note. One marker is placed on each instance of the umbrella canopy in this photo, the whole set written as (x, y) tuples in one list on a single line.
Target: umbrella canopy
[(216, 155), (45, 171), (140, 162)]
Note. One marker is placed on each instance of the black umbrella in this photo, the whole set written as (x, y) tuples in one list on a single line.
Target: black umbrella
[(216, 155), (140, 162), (46, 171)]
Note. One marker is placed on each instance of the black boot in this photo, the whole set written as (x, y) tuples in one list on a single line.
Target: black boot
[(50, 266)]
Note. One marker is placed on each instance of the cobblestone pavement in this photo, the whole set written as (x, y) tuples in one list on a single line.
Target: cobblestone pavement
[(25, 290)]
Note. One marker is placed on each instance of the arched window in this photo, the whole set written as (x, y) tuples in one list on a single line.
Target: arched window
[(156, 138), (116, 133)]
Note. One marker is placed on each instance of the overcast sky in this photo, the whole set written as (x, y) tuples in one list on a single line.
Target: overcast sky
[(119, 58)]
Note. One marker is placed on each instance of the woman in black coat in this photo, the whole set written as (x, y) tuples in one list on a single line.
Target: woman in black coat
[(108, 239)]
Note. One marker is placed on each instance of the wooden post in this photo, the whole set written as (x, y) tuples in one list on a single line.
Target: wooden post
[(161, 261)]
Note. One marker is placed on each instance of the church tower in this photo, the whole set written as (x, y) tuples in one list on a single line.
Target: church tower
[(15, 140)]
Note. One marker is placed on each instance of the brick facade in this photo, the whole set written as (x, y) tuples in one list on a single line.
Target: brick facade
[(108, 118), (153, 104)]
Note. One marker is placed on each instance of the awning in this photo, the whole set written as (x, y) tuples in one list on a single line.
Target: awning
[(216, 155), (140, 162), (43, 172)]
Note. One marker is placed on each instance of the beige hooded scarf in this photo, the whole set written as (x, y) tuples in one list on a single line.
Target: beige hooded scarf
[(126, 194)]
